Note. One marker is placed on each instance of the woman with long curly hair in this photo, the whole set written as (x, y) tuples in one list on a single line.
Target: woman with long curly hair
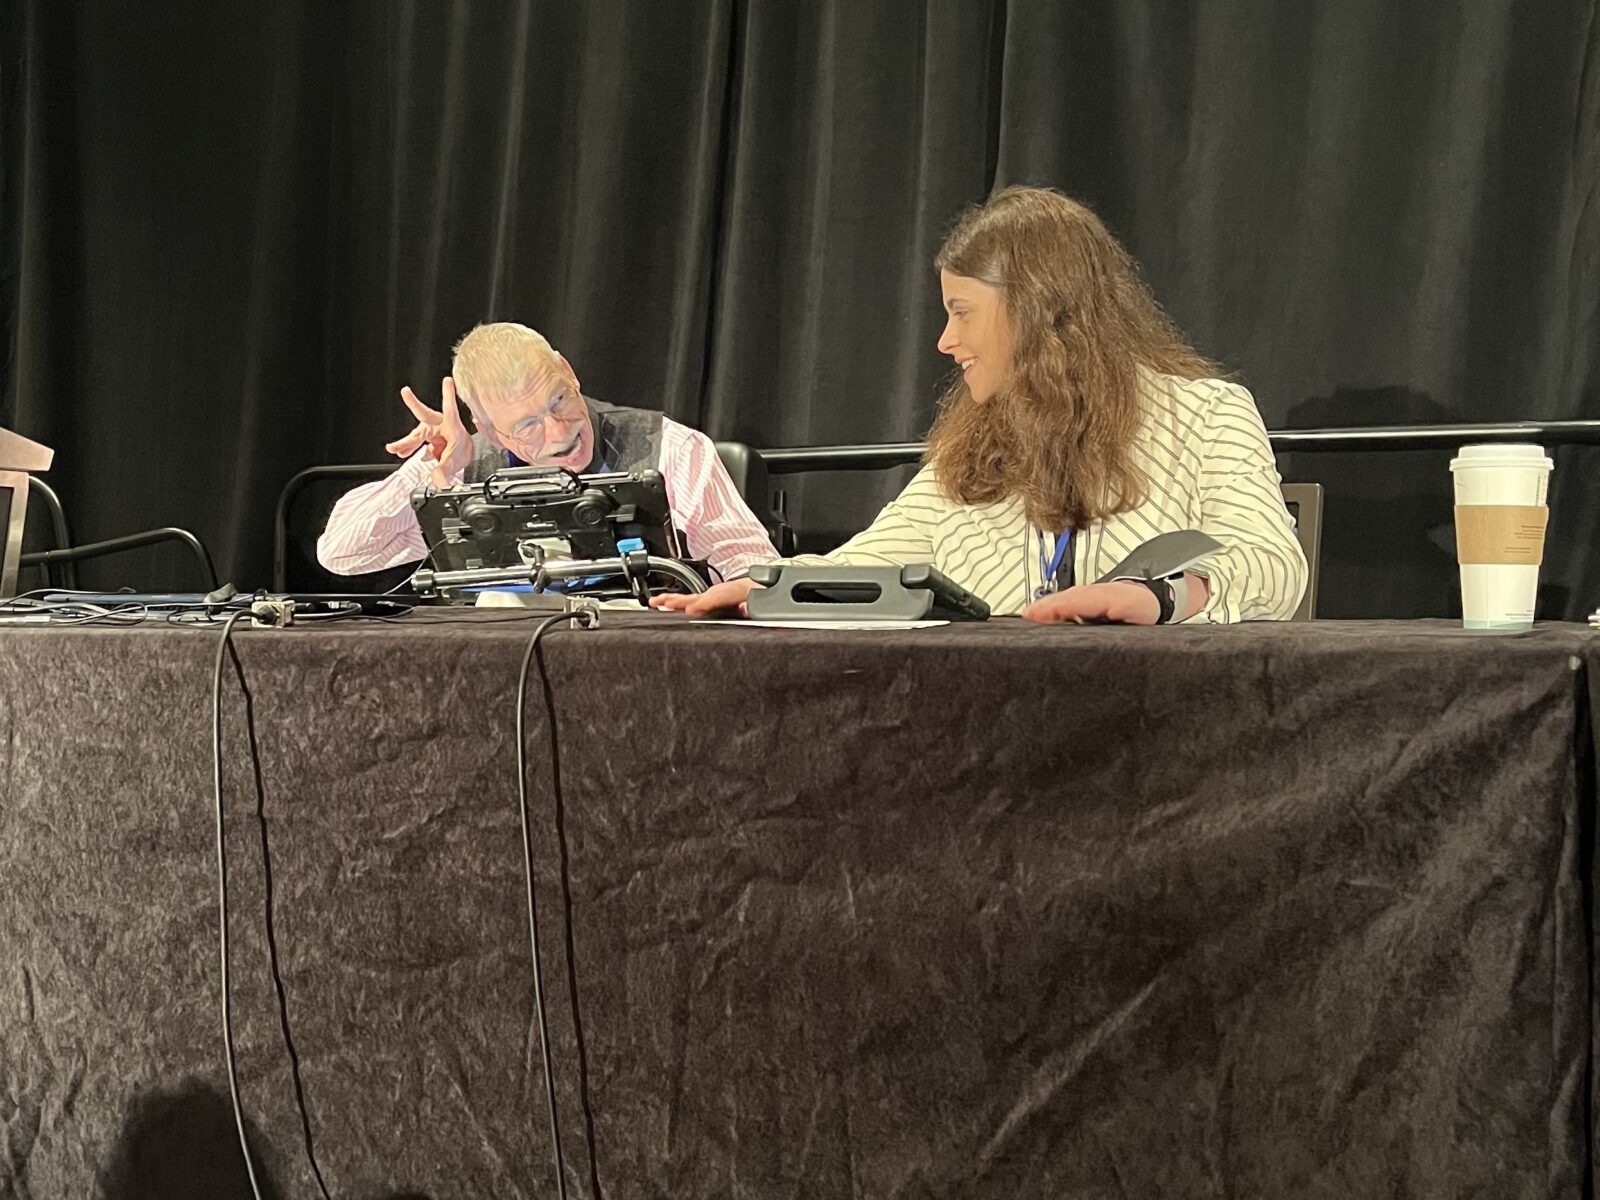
[(1082, 425)]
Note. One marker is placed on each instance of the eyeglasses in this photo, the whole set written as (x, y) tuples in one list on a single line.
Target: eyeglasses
[(534, 428)]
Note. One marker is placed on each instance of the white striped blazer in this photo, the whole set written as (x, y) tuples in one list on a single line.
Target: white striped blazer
[(1205, 453)]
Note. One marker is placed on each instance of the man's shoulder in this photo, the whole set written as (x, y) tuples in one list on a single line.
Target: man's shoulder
[(605, 408), (679, 433)]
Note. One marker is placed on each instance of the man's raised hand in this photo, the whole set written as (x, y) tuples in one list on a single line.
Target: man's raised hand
[(444, 433)]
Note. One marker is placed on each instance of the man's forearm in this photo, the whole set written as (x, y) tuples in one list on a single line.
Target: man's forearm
[(373, 527)]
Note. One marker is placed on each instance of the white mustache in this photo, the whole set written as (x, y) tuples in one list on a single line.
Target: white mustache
[(563, 451)]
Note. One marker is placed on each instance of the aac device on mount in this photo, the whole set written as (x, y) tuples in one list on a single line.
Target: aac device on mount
[(502, 521), (918, 592), (542, 524)]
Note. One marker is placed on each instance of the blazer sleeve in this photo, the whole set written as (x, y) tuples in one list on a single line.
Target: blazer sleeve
[(1261, 572)]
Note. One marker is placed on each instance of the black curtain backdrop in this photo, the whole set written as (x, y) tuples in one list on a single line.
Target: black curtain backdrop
[(229, 233)]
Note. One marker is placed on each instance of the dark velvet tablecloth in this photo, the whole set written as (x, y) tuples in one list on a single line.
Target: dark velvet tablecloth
[(1266, 911)]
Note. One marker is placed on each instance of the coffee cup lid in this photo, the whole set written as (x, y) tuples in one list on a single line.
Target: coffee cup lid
[(1502, 454)]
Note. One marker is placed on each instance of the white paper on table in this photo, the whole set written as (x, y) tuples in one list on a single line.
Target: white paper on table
[(820, 624)]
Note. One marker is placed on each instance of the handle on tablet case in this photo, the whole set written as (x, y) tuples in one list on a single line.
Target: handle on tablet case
[(793, 591)]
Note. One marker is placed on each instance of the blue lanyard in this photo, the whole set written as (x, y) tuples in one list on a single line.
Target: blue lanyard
[(1049, 564)]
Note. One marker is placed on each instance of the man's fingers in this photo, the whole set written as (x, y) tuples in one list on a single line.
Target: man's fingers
[(724, 597), (706, 603), (452, 414), (407, 446), (697, 605), (418, 409)]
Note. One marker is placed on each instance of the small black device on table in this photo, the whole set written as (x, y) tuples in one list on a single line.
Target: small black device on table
[(918, 592)]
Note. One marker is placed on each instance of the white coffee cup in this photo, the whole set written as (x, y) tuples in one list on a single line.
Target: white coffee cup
[(1501, 515)]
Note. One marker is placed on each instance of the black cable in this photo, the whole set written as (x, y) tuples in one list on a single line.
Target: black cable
[(566, 903), (534, 651), (427, 557), (533, 911), (123, 614), (19, 610), (223, 644), (51, 591), (533, 917), (271, 928)]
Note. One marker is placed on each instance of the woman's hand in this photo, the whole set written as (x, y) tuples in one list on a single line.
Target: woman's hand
[(720, 598), (1118, 602)]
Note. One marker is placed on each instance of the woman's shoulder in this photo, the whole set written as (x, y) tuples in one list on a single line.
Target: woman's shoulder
[(1186, 417), (925, 483), (925, 493), (1194, 398)]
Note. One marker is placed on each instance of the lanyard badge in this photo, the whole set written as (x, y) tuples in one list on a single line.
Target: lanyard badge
[(1050, 564)]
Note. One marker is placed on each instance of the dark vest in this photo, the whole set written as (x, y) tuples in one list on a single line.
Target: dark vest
[(626, 439)]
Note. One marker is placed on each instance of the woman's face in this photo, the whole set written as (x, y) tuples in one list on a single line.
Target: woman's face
[(977, 333)]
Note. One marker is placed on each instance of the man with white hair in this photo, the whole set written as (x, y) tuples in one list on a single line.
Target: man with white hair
[(524, 399)]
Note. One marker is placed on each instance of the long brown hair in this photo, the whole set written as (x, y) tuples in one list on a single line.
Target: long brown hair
[(1060, 434)]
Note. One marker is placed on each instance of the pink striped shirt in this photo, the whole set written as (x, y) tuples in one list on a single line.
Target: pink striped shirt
[(373, 527)]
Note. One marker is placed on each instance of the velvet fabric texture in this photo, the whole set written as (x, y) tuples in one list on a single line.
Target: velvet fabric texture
[(1289, 910)]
